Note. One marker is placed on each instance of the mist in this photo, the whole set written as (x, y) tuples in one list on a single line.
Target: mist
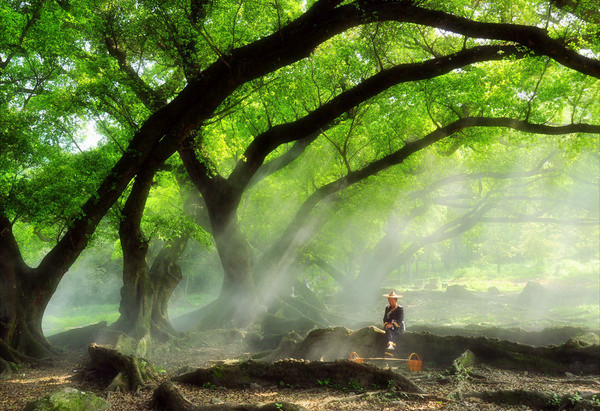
[(508, 247)]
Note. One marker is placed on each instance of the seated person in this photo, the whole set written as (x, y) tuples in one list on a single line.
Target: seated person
[(393, 320)]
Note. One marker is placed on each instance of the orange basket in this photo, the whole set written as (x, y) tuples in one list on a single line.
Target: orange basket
[(414, 365), (354, 357)]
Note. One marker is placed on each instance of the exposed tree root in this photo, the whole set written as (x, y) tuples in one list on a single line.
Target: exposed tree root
[(5, 369), (128, 373), (10, 355), (300, 374), (571, 356), (273, 325), (334, 343), (461, 364), (547, 336), (168, 397)]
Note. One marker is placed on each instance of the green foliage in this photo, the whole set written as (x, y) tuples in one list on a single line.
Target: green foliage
[(355, 386), (209, 386), (325, 382), (67, 67), (575, 398)]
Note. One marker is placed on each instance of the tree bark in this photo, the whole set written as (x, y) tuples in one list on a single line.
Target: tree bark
[(23, 297), (298, 373), (137, 291), (146, 291), (165, 275), (128, 372)]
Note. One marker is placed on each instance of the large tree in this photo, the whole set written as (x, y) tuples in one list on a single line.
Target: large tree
[(225, 51)]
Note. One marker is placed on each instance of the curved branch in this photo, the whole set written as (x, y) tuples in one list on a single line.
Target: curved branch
[(143, 91), (313, 122), (580, 9), (533, 38), (163, 132), (406, 151)]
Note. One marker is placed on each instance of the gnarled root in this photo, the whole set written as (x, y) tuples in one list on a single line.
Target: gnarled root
[(130, 373)]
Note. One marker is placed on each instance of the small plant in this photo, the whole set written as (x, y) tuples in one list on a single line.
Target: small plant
[(324, 383), (354, 386), (278, 405), (596, 400), (16, 367), (554, 401), (209, 385), (575, 398)]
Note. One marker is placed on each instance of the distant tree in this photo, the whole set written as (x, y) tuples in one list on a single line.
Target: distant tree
[(531, 192)]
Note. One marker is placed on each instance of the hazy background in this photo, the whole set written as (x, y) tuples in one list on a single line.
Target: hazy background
[(509, 242)]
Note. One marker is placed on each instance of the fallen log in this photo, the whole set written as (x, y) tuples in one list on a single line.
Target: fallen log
[(300, 374)]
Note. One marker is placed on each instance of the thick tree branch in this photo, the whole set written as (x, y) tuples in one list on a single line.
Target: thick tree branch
[(580, 9), (533, 38), (406, 151), (321, 117), (31, 20), (145, 93), (162, 133)]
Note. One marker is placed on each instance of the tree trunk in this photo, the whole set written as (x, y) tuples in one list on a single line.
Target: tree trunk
[(137, 290), (237, 303), (165, 274), (146, 292), (23, 299)]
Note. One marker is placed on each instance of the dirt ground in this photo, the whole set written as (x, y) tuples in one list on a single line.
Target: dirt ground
[(443, 391)]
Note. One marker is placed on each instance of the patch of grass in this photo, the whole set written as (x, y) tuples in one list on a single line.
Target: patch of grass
[(200, 298), (482, 284), (79, 316), (195, 301)]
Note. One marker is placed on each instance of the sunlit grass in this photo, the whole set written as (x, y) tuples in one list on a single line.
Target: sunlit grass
[(193, 302), (79, 316), (482, 285)]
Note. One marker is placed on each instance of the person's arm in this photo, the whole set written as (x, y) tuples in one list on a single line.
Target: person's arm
[(398, 317)]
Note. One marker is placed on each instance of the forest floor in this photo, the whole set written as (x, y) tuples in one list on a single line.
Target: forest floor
[(443, 391), (556, 305)]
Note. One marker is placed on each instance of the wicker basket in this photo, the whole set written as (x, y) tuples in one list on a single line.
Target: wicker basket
[(414, 365), (354, 357)]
